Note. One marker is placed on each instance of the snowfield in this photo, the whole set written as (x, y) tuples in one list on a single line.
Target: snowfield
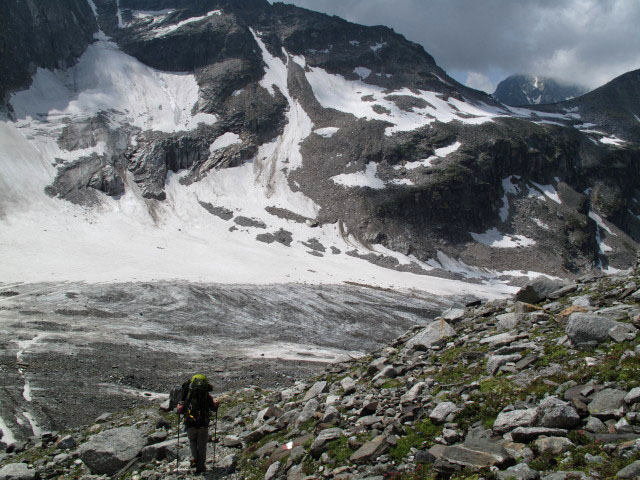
[(131, 238)]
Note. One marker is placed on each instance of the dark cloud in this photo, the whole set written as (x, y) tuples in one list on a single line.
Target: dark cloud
[(480, 42)]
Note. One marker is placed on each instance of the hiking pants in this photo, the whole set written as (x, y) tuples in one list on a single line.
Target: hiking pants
[(198, 443)]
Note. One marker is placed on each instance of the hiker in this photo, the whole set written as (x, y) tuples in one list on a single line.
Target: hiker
[(197, 405)]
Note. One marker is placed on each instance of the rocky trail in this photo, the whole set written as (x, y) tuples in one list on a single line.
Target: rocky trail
[(545, 385)]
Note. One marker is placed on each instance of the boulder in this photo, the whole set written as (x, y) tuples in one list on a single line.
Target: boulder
[(272, 471), (66, 442), (229, 463), (623, 332), (442, 411), (331, 414), (431, 336), (588, 329), (607, 403), (348, 384), (630, 471), (538, 290), (555, 413), (595, 425), (157, 451), (522, 471), (18, 471), (231, 441), (508, 321), (633, 396), (494, 362), (553, 445), (386, 372), (109, 451), (376, 365), (413, 393), (267, 414), (507, 421), (453, 315), (324, 437), (475, 454), (527, 434), (309, 409), (318, 388), (370, 450)]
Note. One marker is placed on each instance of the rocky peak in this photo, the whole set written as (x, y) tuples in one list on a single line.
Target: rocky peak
[(524, 89)]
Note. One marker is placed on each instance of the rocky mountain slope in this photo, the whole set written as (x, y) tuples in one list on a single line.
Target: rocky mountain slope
[(286, 128), (519, 90), (503, 389)]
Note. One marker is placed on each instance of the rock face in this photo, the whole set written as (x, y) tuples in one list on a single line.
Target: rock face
[(109, 451)]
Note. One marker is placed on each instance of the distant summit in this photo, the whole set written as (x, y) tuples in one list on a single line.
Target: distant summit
[(532, 90)]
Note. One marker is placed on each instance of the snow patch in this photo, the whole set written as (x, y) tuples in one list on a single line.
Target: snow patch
[(509, 187), (600, 222), (427, 162), (326, 132), (493, 238), (541, 224), (548, 191), (119, 15), (368, 178), (165, 30), (93, 8), (378, 46), (362, 72), (334, 91), (613, 140), (7, 435), (355, 43), (225, 140), (106, 79)]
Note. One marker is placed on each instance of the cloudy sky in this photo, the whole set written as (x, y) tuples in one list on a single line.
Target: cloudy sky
[(480, 42)]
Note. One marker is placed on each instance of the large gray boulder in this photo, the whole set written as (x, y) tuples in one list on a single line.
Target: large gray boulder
[(588, 329), (538, 289), (432, 335), (475, 454), (630, 471), (109, 451), (18, 471), (608, 403), (555, 413), (507, 421)]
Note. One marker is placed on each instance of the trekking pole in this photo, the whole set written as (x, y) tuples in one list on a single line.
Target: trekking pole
[(215, 434), (178, 447)]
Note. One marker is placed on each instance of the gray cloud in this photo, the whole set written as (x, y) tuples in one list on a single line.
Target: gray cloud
[(480, 42)]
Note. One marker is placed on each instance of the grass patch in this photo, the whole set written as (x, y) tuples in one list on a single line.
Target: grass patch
[(420, 436), (339, 449)]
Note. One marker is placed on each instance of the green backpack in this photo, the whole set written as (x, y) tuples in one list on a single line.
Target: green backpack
[(197, 404)]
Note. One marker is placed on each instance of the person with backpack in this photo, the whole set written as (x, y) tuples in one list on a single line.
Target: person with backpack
[(196, 407)]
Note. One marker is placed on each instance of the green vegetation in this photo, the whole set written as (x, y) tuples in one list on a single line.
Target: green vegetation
[(420, 436)]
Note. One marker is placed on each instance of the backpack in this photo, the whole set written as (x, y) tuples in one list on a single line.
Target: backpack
[(197, 403)]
